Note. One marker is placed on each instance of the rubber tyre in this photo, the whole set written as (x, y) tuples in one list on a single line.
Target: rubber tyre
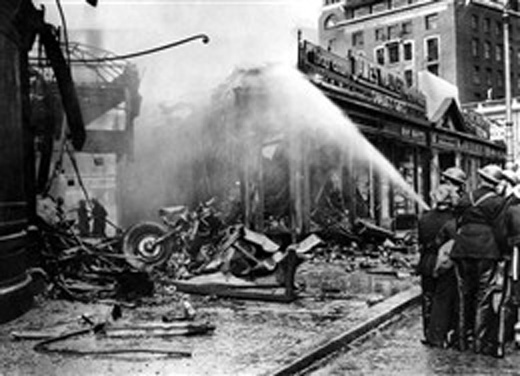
[(134, 245)]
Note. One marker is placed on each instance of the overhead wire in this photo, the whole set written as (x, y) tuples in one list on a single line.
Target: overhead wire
[(204, 37)]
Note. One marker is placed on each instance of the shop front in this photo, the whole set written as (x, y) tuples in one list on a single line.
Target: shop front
[(393, 118)]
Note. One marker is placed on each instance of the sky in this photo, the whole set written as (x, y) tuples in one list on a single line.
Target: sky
[(243, 33)]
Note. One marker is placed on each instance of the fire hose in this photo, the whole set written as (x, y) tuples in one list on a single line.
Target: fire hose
[(43, 346)]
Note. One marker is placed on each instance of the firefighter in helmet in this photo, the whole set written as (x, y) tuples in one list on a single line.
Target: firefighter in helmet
[(454, 176), (477, 251)]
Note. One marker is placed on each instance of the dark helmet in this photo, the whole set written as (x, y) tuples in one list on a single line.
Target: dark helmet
[(491, 173), (455, 175)]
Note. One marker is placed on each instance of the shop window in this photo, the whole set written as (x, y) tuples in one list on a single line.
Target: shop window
[(476, 75), (433, 68), (432, 49), (474, 47), (380, 56), (357, 39), (487, 50), (431, 21), (518, 83), (405, 166), (393, 52), (408, 77), (408, 51)]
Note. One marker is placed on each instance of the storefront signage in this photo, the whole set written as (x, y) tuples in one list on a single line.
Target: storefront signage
[(445, 140), (414, 134), (359, 76)]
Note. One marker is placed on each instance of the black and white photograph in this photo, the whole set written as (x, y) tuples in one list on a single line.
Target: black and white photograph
[(259, 187)]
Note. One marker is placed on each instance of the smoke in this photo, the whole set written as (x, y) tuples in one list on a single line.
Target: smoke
[(199, 151)]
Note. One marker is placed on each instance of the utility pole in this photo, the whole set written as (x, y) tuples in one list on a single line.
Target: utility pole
[(510, 133)]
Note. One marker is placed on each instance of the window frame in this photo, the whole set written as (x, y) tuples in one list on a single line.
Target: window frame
[(431, 21), (426, 50)]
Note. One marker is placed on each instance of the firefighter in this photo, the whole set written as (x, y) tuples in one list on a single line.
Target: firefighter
[(83, 219), (477, 251), (438, 278), (455, 177), (429, 225), (509, 327), (99, 219)]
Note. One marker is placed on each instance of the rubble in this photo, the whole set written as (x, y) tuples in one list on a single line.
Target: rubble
[(207, 256)]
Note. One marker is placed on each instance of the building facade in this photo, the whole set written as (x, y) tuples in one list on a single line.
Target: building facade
[(460, 41), (393, 118)]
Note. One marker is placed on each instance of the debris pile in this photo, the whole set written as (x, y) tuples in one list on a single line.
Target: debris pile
[(198, 243)]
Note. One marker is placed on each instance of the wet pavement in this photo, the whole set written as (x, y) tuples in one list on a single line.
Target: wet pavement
[(251, 338), (397, 350)]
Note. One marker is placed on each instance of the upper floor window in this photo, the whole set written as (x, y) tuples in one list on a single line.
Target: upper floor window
[(400, 3), (474, 47), (476, 75), (380, 6), (489, 77), (474, 22), (499, 53), (408, 51), (393, 52), (498, 28), (357, 39), (362, 11), (487, 25), (431, 21), (406, 28), (487, 50), (432, 49), (408, 77), (380, 56), (393, 31), (331, 21), (380, 34)]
